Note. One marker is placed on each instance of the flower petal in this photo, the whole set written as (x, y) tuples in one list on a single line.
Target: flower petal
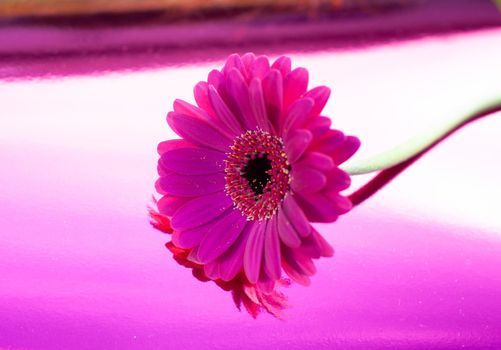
[(282, 64), (296, 216), (297, 114), (215, 78), (223, 112), (310, 247), (183, 107), (260, 68), (324, 247), (295, 85), (232, 260), (221, 235), (200, 210), (186, 108), (295, 275), (315, 246), (342, 203), (297, 266), (212, 270), (305, 180), (319, 126), (296, 143), (346, 150), (266, 283), (248, 60), (303, 261), (273, 96), (234, 61), (198, 131), (257, 103), (318, 207), (320, 95), (201, 93), (316, 160), (253, 254), (192, 256), (252, 292), (286, 231), (158, 188), (191, 185), (272, 265), (162, 171), (194, 161), (190, 238), (337, 180), (170, 145), (238, 92), (329, 142), (168, 205)]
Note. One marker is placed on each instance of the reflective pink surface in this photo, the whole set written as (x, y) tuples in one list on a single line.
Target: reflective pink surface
[(417, 266)]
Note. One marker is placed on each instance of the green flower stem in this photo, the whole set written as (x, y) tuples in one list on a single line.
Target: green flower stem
[(393, 162), (419, 143)]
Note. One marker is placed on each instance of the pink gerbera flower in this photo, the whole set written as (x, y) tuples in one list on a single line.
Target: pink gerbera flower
[(255, 165)]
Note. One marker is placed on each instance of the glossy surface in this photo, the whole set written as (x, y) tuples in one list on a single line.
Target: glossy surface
[(417, 266)]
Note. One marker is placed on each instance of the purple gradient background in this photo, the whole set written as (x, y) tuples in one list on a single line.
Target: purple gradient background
[(417, 266)]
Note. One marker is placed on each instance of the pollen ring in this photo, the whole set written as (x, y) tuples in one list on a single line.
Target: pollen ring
[(257, 174)]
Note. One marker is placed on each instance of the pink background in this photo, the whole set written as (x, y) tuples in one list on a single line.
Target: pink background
[(416, 266)]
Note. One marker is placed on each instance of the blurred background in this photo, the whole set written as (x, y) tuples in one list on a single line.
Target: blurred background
[(84, 90), (98, 35)]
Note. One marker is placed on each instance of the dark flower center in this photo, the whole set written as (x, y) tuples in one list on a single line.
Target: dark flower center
[(257, 174), (256, 171)]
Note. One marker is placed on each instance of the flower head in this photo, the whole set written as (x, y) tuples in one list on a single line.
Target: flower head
[(255, 166)]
